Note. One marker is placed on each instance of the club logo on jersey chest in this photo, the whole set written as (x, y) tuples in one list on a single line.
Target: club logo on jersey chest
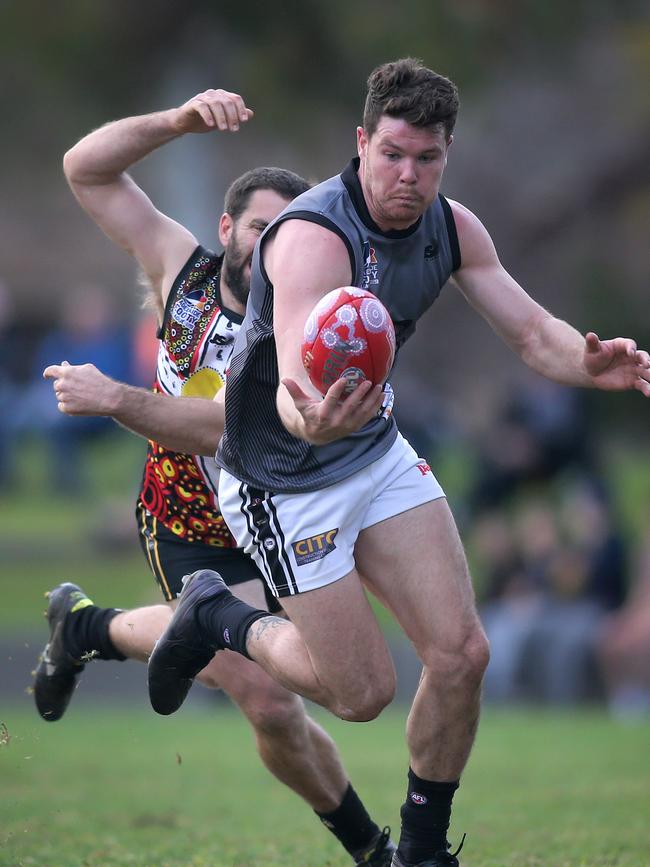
[(370, 267)]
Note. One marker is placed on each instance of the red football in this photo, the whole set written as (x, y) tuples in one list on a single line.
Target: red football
[(349, 333)]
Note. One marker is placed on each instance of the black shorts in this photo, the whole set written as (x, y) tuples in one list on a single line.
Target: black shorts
[(170, 558)]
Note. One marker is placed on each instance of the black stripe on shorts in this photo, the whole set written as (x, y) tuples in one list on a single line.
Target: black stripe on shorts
[(257, 508)]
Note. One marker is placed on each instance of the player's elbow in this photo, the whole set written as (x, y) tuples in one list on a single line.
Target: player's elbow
[(71, 166), (79, 170), (291, 420)]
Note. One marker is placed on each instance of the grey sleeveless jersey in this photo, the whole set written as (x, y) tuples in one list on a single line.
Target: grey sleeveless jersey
[(405, 269)]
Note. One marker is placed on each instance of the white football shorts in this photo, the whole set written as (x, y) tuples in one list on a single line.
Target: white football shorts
[(304, 541)]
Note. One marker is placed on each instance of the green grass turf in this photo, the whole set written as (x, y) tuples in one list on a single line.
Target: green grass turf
[(135, 789), (541, 789)]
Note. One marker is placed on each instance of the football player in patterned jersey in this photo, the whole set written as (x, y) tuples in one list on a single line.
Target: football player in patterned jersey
[(200, 298)]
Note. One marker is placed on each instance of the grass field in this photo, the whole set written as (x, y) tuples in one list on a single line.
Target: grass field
[(135, 789), (131, 788)]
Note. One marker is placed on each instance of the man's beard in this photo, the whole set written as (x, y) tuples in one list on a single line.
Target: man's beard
[(234, 265)]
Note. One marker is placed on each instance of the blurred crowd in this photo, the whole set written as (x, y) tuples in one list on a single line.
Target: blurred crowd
[(90, 328), (564, 595)]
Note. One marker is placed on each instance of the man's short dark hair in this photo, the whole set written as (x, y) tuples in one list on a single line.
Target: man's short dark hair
[(283, 182), (407, 89)]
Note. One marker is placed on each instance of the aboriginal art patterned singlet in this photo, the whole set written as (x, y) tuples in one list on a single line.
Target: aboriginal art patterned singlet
[(197, 338)]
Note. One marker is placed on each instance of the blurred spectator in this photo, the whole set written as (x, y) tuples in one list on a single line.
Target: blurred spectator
[(511, 605), (540, 431), (554, 573), (624, 645), (11, 361), (547, 544), (584, 581), (90, 330)]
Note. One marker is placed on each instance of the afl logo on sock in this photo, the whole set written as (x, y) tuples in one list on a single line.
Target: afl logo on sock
[(418, 800)]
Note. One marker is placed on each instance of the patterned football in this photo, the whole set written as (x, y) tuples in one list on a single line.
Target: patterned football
[(350, 334)]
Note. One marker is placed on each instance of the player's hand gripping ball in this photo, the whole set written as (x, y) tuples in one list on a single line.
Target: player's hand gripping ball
[(349, 334)]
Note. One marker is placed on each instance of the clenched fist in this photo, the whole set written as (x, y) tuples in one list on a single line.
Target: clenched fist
[(82, 389), (212, 109)]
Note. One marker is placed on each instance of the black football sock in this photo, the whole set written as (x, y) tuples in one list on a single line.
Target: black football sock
[(227, 620), (350, 823), (425, 818), (85, 634)]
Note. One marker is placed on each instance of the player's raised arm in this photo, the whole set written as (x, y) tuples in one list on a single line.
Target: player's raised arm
[(548, 345), (299, 283), (190, 425), (96, 169)]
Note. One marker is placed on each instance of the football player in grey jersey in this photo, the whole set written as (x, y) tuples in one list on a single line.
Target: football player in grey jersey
[(383, 523), (293, 747)]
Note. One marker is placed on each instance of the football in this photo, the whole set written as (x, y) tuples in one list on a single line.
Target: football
[(349, 334)]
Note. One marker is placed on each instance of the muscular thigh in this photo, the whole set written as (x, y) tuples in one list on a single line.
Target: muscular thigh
[(414, 562), (341, 633)]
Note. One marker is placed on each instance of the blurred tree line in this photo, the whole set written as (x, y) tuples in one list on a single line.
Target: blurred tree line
[(551, 148)]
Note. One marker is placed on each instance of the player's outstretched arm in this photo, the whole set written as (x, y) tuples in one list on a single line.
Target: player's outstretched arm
[(188, 425), (96, 169), (549, 345)]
